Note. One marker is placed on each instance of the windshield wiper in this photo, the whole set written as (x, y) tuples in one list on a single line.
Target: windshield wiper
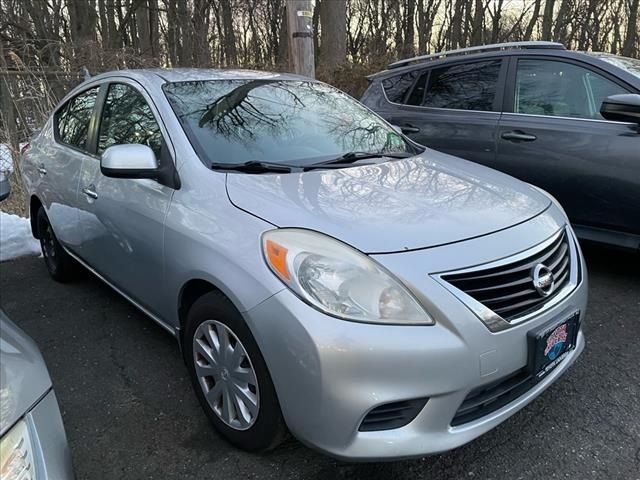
[(352, 157), (254, 166)]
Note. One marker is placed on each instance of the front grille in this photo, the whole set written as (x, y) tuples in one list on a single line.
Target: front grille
[(508, 290), (489, 398), (392, 415)]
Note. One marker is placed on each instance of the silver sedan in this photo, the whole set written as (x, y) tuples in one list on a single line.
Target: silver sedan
[(322, 273)]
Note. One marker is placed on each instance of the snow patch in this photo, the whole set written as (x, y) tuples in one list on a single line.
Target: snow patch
[(15, 237)]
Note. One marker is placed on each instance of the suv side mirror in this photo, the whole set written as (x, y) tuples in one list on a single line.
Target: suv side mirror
[(137, 161), (5, 186), (621, 108)]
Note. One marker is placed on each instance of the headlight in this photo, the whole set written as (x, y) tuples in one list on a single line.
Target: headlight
[(16, 456), (339, 280)]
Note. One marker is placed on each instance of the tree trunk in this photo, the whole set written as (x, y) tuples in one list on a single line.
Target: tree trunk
[(114, 40), (456, 24), (629, 46), (154, 29), (534, 19), (230, 50), (478, 24), (409, 49), (200, 22), (562, 22), (173, 33), (547, 20), (82, 20), (185, 50), (497, 16), (333, 41), (143, 28)]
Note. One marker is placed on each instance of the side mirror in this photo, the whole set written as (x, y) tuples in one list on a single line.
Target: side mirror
[(5, 186), (621, 108), (129, 161)]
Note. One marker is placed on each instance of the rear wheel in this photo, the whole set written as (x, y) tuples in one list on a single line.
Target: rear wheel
[(230, 376), (62, 267)]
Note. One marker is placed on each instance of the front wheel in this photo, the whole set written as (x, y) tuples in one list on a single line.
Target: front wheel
[(230, 376), (61, 266)]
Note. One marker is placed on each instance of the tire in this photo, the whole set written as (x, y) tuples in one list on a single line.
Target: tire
[(214, 318), (61, 266)]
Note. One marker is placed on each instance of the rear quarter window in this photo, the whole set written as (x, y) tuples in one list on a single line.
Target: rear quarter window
[(397, 88)]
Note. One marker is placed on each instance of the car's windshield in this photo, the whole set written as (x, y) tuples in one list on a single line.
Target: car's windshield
[(271, 120), (631, 65)]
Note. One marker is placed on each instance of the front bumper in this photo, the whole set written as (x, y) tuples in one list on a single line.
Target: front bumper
[(49, 442), (330, 373)]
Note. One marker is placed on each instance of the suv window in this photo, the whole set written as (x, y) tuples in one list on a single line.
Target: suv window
[(560, 89), (73, 119), (396, 88), (470, 86), (127, 118)]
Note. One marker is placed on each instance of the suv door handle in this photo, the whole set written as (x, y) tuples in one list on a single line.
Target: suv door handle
[(518, 136), (41, 169), (409, 129), (90, 192)]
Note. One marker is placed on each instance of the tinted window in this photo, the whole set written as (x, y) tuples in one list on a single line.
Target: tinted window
[(127, 118), (397, 88), (548, 87), (234, 121), (417, 94), (471, 86), (74, 118)]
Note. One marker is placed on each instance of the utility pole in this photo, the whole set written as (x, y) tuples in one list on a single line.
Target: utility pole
[(300, 34)]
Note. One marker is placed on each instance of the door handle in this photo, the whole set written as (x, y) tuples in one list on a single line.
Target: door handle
[(90, 192), (41, 169), (406, 129), (518, 136)]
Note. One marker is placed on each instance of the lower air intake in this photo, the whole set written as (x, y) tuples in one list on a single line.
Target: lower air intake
[(392, 415)]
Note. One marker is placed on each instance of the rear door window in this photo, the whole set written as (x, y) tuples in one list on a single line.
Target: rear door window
[(74, 118), (469, 86)]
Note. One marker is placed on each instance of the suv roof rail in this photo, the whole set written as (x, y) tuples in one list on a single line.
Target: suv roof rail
[(495, 47)]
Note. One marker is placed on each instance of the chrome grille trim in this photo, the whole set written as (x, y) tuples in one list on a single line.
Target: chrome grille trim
[(565, 267)]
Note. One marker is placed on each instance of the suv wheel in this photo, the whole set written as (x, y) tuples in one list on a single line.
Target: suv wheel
[(230, 376), (62, 267)]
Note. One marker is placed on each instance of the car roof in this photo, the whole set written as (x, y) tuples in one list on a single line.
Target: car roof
[(197, 74), (461, 56)]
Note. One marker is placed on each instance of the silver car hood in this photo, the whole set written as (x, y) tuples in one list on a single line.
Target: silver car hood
[(423, 201), (24, 378)]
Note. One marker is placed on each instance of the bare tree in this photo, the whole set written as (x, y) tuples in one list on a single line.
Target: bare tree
[(333, 27), (631, 39)]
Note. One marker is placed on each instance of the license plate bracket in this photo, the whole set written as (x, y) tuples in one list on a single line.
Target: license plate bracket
[(550, 343)]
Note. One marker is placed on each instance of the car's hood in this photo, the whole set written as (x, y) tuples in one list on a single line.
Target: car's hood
[(24, 378), (423, 201)]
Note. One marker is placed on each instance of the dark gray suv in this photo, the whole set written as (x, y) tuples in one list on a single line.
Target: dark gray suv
[(565, 121)]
